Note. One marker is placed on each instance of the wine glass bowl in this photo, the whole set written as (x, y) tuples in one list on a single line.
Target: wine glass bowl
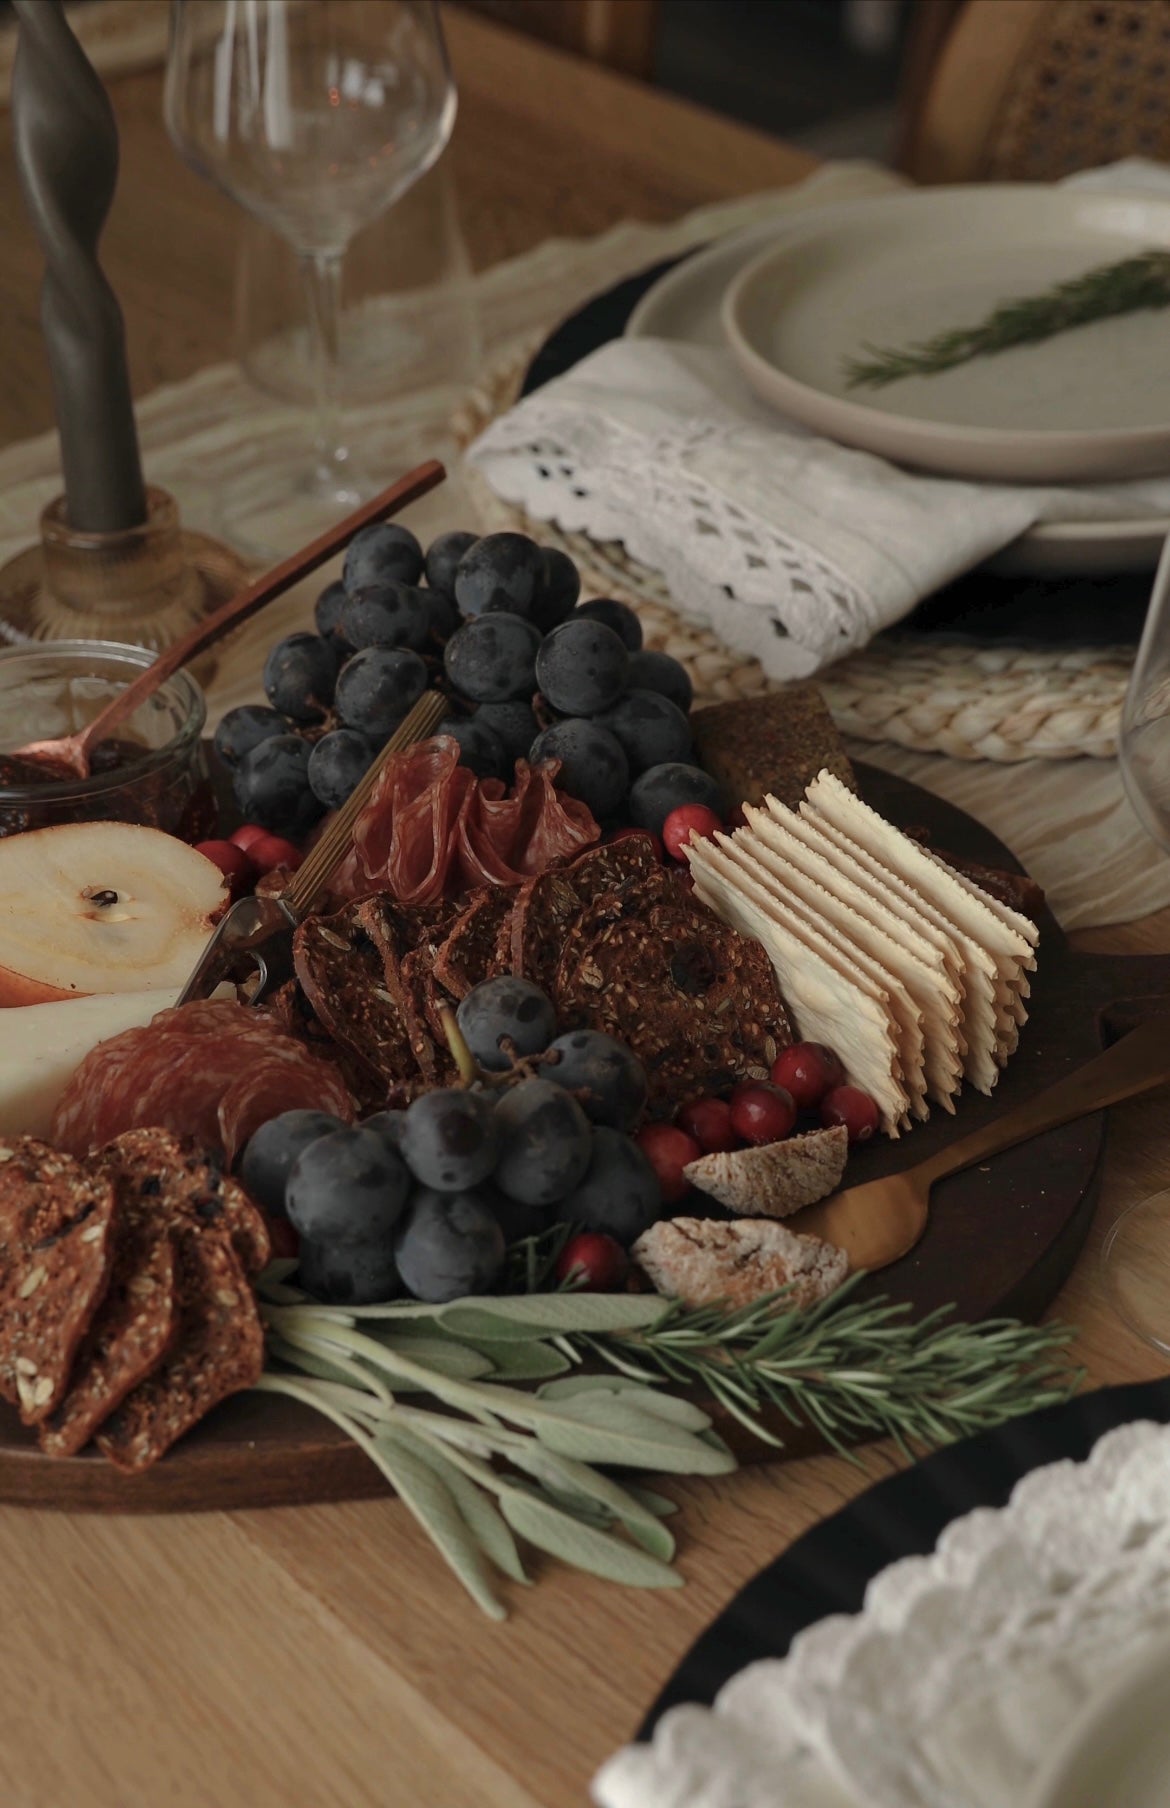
[(314, 116)]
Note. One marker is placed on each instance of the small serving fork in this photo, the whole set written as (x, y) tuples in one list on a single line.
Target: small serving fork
[(881, 1220), (251, 942)]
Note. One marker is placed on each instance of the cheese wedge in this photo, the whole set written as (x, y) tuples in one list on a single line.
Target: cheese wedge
[(829, 1006)]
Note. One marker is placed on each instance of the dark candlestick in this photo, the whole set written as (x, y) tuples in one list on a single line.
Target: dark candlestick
[(67, 157)]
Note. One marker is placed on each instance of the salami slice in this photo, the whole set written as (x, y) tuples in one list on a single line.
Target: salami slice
[(213, 1071)]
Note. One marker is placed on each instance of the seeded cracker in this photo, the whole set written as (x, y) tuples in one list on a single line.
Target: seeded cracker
[(219, 1350), (176, 1180), (136, 1324), (468, 955), (56, 1248)]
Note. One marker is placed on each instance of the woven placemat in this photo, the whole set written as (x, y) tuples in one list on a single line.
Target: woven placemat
[(933, 696)]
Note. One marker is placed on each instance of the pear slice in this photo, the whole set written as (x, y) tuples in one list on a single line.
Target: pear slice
[(101, 907)]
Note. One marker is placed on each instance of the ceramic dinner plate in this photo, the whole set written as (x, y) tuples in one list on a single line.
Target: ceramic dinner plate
[(685, 305), (1088, 405), (1119, 1754)]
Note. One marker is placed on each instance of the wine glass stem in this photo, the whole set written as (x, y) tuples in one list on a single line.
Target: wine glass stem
[(321, 276)]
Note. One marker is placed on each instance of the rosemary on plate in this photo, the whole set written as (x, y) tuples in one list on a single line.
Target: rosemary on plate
[(488, 1461), (1121, 288)]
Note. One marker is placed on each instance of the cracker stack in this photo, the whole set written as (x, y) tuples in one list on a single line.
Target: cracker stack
[(912, 973)]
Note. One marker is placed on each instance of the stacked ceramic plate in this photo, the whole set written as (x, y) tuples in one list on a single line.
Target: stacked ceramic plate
[(799, 306)]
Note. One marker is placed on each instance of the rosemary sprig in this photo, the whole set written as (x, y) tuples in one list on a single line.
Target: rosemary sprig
[(1122, 288), (500, 1462)]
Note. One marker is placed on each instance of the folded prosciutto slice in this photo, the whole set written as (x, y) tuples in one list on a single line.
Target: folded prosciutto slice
[(433, 829)]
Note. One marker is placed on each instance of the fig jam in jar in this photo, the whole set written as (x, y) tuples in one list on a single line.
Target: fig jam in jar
[(152, 770)]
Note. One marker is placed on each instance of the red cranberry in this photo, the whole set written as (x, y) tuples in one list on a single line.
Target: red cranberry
[(235, 865), (246, 834), (644, 834), (808, 1070), (598, 1262), (709, 1122), (687, 821), (668, 1150), (761, 1112), (855, 1109), (273, 850)]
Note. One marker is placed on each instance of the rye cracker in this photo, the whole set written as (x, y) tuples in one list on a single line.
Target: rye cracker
[(918, 964), (57, 1219), (828, 1008)]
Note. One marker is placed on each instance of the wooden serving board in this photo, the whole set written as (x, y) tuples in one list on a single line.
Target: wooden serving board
[(1001, 1237)]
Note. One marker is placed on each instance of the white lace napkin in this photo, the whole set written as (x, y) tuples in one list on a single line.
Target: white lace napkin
[(790, 547), (962, 1670)]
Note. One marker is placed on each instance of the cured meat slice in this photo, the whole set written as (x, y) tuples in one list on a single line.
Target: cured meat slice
[(468, 955), (186, 1188), (135, 1326), (696, 1001), (56, 1248), (213, 1070), (219, 1349), (432, 828)]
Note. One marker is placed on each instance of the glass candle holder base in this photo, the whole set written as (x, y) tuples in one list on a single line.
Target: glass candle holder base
[(1136, 1261), (145, 587)]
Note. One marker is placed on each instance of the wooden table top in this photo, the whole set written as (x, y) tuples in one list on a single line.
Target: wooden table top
[(323, 1656)]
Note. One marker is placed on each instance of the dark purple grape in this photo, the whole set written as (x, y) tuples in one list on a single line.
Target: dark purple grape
[(273, 1149), (557, 595), (615, 615), (385, 550), (492, 658), (377, 688), (661, 789), (299, 675), (442, 616), (347, 1190), (244, 728), (479, 749), (514, 1219), (337, 763), (443, 555), (582, 667), (450, 1246), (513, 724), (618, 1193), (449, 1139), (327, 610), (386, 615), (605, 1077), (387, 1124), (271, 786), (364, 1275), (661, 672), (652, 730), (505, 1009), (501, 571), (593, 766), (544, 1143)]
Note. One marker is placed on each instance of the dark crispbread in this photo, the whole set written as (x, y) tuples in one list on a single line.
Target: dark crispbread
[(468, 955), (135, 1325), (219, 1350), (776, 742), (175, 1179), (56, 1247)]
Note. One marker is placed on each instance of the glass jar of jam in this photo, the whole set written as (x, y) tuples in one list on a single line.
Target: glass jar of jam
[(153, 770)]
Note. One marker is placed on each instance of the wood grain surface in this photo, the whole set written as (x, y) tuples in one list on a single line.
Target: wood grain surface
[(321, 1656)]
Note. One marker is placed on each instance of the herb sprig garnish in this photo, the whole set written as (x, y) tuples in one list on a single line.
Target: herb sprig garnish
[(1122, 288), (498, 1461)]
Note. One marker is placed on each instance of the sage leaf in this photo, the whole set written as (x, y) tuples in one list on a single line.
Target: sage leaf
[(528, 1361), (428, 1498), (481, 1516), (584, 1491), (555, 1314), (660, 1505), (636, 1441), (584, 1546), (443, 1355)]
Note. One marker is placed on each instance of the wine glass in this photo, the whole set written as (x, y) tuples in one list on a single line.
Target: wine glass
[(1136, 1253), (315, 115)]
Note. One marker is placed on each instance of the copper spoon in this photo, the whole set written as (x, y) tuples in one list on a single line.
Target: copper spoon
[(878, 1222), (68, 756)]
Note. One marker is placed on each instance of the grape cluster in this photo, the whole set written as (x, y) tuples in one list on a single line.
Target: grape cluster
[(428, 1199), (531, 673)]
